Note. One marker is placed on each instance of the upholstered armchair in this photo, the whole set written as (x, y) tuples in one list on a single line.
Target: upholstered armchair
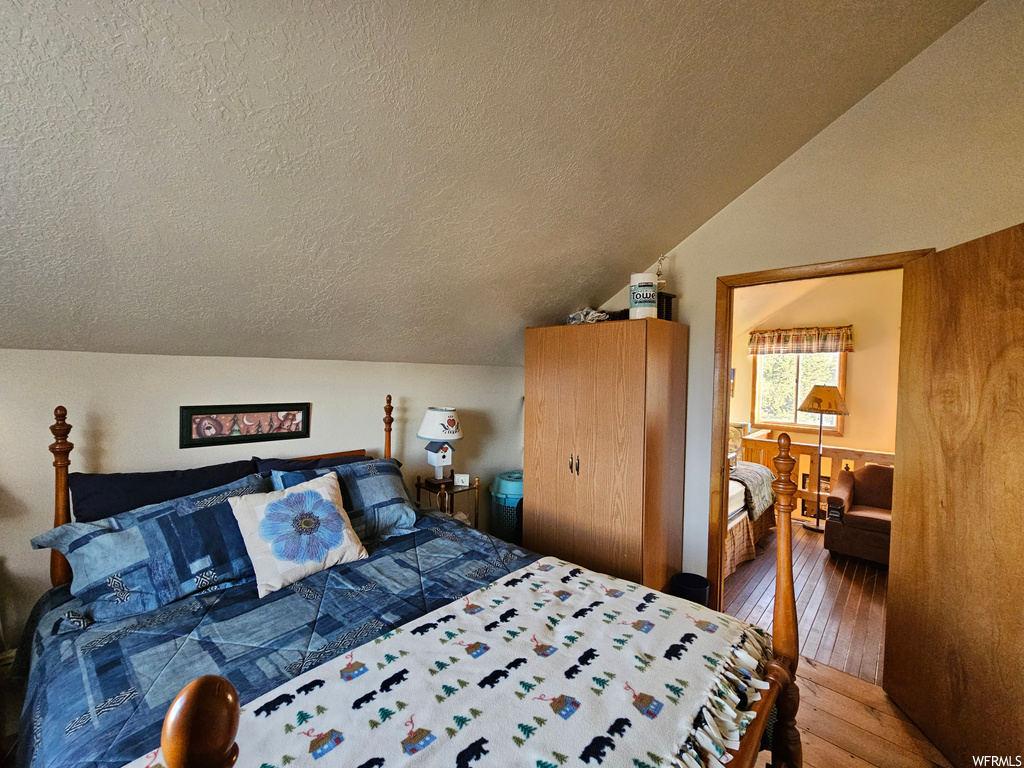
[(860, 514)]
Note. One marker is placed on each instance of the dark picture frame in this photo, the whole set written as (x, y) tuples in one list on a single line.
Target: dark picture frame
[(203, 425)]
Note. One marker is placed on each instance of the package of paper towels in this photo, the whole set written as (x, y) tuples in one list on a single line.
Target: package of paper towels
[(643, 295)]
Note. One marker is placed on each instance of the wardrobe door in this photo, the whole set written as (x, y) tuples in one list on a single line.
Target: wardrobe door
[(549, 484), (582, 397), (610, 433), (664, 455)]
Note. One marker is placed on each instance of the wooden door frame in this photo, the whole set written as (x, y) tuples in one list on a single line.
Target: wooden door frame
[(724, 290)]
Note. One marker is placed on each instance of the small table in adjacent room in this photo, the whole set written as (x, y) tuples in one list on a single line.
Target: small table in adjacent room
[(446, 502)]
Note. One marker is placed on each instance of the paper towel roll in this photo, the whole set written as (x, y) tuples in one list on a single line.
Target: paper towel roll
[(643, 295)]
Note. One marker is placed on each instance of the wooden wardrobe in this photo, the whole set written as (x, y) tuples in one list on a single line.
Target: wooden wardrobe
[(605, 423)]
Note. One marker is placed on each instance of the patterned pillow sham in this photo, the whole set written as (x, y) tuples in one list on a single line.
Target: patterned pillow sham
[(137, 561), (294, 533), (373, 492)]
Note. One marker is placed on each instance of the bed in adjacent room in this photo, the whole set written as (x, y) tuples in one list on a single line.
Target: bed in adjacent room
[(751, 513), (413, 638)]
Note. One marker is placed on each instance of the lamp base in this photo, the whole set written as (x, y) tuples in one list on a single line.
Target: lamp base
[(814, 528)]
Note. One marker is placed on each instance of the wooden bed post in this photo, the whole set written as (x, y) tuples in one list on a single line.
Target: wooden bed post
[(60, 569), (786, 748), (201, 725), (388, 421)]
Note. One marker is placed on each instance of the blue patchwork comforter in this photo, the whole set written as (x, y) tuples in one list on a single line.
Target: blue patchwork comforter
[(97, 696)]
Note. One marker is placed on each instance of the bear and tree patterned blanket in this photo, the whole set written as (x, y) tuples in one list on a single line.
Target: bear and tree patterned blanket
[(554, 666)]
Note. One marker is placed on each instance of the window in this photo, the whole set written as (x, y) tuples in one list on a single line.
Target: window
[(781, 382)]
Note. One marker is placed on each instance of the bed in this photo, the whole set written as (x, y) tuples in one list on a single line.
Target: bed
[(444, 602), (750, 513)]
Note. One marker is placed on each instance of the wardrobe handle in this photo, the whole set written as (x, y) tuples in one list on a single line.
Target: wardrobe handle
[(577, 464), (570, 463)]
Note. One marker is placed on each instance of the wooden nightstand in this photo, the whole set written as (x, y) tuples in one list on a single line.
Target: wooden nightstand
[(445, 490)]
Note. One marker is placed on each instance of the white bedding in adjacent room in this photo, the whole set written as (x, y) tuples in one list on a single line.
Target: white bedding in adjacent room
[(737, 502)]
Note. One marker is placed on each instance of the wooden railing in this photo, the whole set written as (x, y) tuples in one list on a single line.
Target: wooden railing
[(761, 450)]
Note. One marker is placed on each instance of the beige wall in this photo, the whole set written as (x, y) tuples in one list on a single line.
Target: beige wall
[(124, 412), (871, 303), (933, 157)]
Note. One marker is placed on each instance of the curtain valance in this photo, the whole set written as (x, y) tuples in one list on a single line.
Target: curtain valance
[(786, 341)]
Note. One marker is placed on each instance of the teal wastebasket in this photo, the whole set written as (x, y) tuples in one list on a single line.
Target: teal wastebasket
[(507, 506)]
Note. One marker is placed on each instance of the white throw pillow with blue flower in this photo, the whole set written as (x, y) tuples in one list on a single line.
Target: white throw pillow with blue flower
[(294, 533)]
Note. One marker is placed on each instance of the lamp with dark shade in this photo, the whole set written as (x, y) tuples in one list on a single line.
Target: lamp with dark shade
[(824, 400)]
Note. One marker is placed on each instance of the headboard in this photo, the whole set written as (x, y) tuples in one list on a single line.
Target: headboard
[(60, 569)]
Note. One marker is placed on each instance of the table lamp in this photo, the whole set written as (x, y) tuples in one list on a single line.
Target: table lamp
[(441, 428), (824, 400)]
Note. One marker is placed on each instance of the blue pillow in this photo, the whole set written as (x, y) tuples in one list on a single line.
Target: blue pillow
[(137, 561), (297, 465), (95, 497), (373, 492)]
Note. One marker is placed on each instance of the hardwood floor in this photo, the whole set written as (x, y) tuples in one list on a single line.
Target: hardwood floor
[(846, 722), (840, 603)]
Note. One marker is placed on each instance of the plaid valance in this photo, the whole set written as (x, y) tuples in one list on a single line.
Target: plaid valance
[(786, 341)]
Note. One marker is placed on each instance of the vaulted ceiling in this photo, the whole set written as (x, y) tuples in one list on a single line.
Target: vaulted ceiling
[(384, 180)]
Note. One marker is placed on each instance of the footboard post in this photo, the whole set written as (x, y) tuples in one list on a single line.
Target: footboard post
[(201, 724), (786, 748)]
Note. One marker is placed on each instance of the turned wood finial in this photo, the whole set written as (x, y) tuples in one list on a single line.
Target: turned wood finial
[(60, 569), (783, 485), (785, 638), (60, 430), (388, 421), (786, 748), (201, 724)]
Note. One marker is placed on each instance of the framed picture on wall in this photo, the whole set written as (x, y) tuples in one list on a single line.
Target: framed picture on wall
[(201, 425)]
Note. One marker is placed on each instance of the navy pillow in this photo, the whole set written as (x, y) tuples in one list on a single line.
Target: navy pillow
[(298, 465), (96, 497)]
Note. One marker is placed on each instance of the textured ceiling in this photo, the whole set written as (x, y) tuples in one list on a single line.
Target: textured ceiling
[(404, 181)]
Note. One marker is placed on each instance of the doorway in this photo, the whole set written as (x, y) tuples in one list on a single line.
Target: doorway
[(818, 578), (774, 365), (958, 440)]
